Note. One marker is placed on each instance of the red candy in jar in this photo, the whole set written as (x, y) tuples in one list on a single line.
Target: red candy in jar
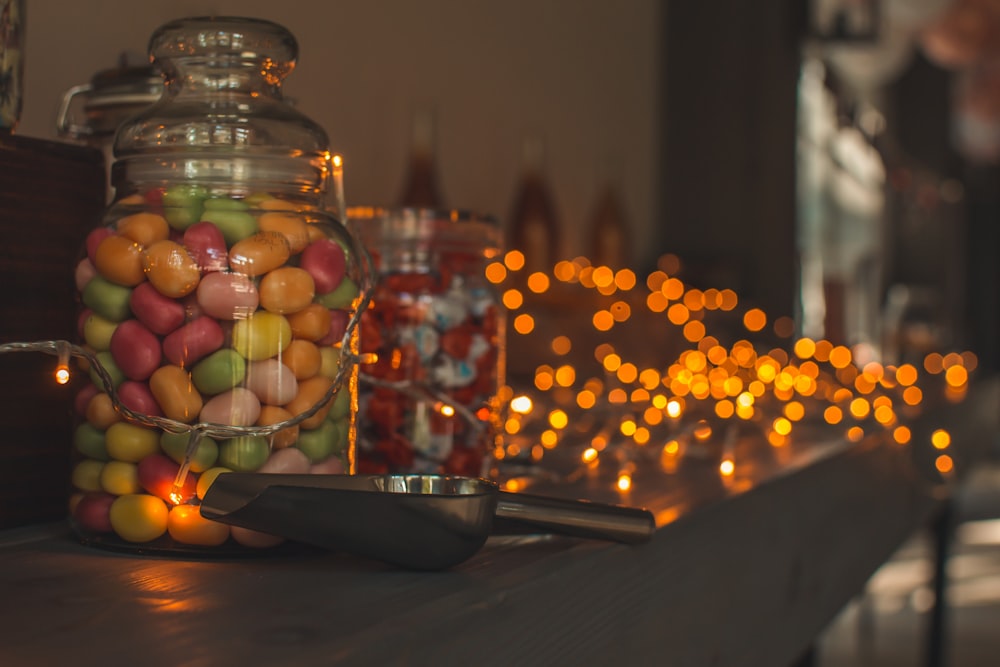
[(427, 401)]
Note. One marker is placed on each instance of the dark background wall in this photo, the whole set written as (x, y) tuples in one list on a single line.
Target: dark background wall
[(727, 195)]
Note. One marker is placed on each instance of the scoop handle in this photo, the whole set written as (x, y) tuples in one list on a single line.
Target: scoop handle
[(579, 518)]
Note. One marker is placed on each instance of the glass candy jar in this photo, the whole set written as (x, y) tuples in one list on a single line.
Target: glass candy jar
[(218, 298), (432, 343)]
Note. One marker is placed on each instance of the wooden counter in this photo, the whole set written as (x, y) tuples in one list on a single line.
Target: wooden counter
[(745, 573)]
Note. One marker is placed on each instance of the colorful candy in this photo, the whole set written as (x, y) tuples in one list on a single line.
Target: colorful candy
[(193, 341), (170, 269), (228, 296), (137, 517), (158, 312), (432, 325), (206, 309), (136, 350)]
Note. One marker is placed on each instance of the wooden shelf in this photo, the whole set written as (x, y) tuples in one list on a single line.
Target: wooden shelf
[(744, 574)]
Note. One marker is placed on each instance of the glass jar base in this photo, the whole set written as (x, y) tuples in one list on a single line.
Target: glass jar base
[(167, 547)]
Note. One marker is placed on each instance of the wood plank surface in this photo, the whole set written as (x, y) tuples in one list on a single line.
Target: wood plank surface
[(742, 574)]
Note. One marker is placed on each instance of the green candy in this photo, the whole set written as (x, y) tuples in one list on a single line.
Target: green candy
[(97, 331), (108, 362), (206, 453), (89, 441), (245, 453), (183, 204), (321, 443), (107, 299), (234, 225), (341, 297), (219, 372), (341, 405)]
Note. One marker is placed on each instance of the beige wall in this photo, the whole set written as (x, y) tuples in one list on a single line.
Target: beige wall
[(582, 72)]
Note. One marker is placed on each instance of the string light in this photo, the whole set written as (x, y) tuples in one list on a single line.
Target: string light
[(712, 382)]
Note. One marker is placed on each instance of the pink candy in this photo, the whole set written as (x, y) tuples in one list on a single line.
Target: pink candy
[(273, 382), (206, 245), (239, 407), (135, 349), (227, 296), (326, 263), (196, 339), (137, 397), (94, 239), (159, 313)]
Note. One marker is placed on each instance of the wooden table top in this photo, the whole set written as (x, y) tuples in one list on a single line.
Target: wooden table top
[(746, 573)]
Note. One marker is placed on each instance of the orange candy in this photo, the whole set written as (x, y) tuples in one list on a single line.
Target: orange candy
[(144, 228), (119, 260), (170, 269), (101, 412), (311, 391), (186, 525), (312, 322), (289, 225), (303, 358), (286, 290), (175, 393), (259, 253), (272, 414), (315, 233)]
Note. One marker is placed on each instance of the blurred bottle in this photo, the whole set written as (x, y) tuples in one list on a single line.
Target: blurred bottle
[(609, 242), (421, 189), (534, 225)]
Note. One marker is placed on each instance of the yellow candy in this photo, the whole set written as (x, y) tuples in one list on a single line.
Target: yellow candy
[(144, 228), (137, 517), (128, 442), (187, 526), (206, 478), (120, 478), (262, 336), (329, 362), (175, 393), (119, 260), (260, 253), (87, 475), (170, 269)]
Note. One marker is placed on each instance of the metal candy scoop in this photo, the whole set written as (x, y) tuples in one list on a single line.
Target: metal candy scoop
[(425, 522)]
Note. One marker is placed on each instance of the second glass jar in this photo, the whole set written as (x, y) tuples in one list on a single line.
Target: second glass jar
[(433, 335)]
